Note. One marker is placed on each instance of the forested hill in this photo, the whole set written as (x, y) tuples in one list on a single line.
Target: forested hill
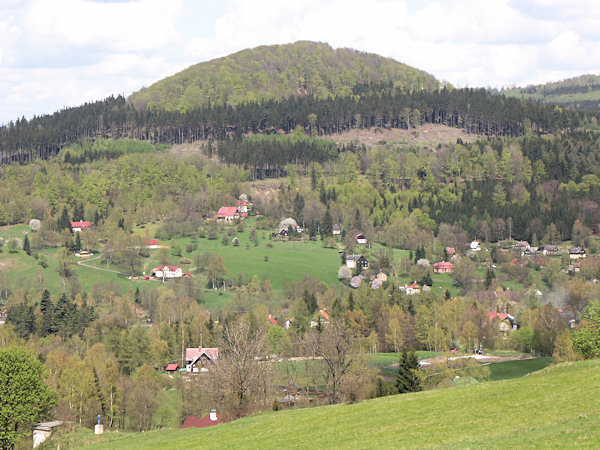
[(581, 92), (275, 72)]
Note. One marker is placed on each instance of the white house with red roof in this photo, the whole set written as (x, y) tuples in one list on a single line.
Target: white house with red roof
[(411, 289), (80, 226), (168, 272), (197, 359), (150, 243), (242, 208), (360, 238), (228, 214)]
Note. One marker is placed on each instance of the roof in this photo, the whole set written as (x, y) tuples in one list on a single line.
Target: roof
[(82, 224), (324, 314), (227, 211), (501, 316), (168, 268), (360, 236), (522, 244), (355, 257), (150, 242), (192, 354), (443, 265), (201, 422), (450, 250), (550, 248), (577, 250), (172, 367), (336, 227)]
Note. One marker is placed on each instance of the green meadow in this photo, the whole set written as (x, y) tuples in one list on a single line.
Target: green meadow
[(548, 408)]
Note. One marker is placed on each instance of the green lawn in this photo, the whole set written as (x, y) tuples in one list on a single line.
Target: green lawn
[(549, 408), (517, 368)]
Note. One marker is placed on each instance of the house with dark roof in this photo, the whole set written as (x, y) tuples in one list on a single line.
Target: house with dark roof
[(360, 238), (336, 230), (577, 253), (549, 250), (199, 359), (357, 260)]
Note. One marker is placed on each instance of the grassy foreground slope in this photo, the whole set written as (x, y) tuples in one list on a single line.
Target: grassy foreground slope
[(555, 407)]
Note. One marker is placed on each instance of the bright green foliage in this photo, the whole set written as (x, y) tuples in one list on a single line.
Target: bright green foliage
[(24, 398), (276, 71), (408, 378), (586, 340)]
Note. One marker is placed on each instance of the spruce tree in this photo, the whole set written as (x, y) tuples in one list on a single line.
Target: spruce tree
[(26, 245), (407, 378), (47, 309)]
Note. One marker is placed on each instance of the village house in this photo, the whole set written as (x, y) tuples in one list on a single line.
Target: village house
[(410, 289), (242, 207), (150, 243), (577, 253), (323, 317), (197, 359), (531, 251), (357, 260), (443, 267), (382, 276), (168, 272), (474, 246), (227, 214), (549, 250), (80, 226), (506, 322), (336, 230), (360, 238)]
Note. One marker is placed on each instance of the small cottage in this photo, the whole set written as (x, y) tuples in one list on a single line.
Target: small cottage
[(443, 267), (198, 359), (360, 238), (80, 226), (227, 214), (336, 230)]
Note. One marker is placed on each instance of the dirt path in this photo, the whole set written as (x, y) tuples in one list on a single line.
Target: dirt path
[(83, 263)]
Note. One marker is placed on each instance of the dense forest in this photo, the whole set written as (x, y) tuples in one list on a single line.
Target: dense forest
[(474, 110)]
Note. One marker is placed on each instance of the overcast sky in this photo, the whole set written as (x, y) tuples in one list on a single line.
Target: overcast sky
[(57, 53)]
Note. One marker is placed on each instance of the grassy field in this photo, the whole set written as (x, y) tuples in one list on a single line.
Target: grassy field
[(549, 408), (517, 368)]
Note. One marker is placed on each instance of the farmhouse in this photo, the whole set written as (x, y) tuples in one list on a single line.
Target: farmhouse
[(410, 289), (443, 267), (80, 226), (357, 260), (577, 253), (168, 272), (336, 230), (242, 207), (506, 322), (197, 359), (549, 250), (150, 243), (360, 238), (227, 214), (531, 251)]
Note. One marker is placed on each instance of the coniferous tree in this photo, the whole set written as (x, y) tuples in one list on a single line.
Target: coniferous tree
[(408, 378), (64, 221), (26, 245), (327, 225), (47, 309)]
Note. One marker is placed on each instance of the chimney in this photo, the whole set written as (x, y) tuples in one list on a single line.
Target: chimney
[(213, 415)]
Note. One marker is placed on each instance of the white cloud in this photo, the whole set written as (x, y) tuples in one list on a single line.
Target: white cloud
[(65, 52)]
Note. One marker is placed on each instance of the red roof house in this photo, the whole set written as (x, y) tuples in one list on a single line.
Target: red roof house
[(324, 314), (443, 267), (150, 243), (80, 226), (227, 214), (201, 422)]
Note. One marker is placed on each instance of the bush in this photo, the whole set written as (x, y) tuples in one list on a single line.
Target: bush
[(185, 261), (191, 247)]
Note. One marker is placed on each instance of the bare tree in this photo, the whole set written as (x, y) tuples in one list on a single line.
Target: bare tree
[(240, 368), (335, 346)]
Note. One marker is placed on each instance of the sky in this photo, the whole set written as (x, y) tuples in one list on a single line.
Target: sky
[(61, 53)]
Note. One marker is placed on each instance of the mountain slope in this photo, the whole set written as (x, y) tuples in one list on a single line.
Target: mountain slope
[(581, 92), (278, 71), (549, 408)]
